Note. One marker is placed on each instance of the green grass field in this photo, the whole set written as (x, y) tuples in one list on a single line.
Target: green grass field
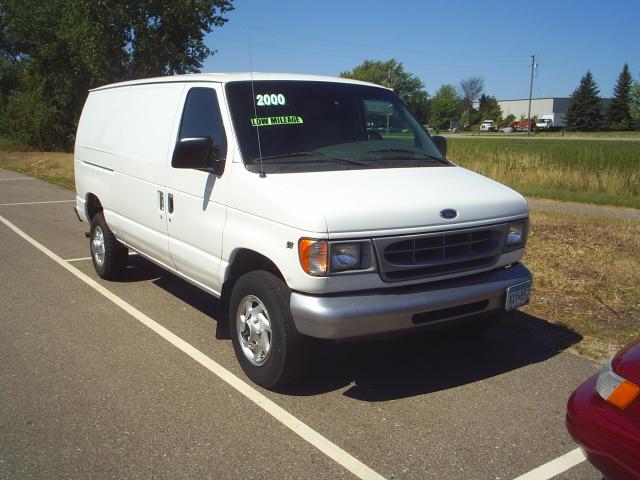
[(595, 171)]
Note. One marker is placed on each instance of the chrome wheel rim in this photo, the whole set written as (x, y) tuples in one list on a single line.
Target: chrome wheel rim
[(97, 246), (253, 328)]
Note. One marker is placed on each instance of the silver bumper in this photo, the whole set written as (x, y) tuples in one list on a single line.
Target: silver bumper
[(373, 312)]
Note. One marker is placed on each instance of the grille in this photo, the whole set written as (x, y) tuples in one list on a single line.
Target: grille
[(442, 253)]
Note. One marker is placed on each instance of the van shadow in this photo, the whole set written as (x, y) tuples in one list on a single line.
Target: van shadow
[(432, 361), (394, 368), (140, 269)]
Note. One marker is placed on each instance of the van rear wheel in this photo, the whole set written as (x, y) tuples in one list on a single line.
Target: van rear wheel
[(267, 345), (108, 255)]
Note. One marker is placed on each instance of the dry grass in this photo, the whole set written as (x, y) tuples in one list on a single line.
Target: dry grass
[(53, 167), (586, 278)]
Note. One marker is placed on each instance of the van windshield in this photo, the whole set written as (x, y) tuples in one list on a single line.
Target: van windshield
[(299, 126)]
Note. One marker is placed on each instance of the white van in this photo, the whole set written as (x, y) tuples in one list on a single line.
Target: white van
[(487, 126), (311, 206)]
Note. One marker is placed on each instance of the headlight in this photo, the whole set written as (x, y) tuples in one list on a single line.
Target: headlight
[(324, 257), (615, 389), (516, 234), (345, 256)]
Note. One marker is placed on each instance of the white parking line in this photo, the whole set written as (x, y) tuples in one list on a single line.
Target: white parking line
[(327, 447), (555, 467), (35, 203), (16, 178), (77, 259)]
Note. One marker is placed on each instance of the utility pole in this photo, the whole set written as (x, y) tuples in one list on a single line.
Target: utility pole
[(533, 66)]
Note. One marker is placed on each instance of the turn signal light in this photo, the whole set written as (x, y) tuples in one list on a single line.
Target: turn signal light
[(313, 256), (615, 389)]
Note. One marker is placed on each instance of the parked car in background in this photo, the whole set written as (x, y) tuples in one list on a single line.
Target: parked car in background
[(551, 121), (487, 126), (522, 125), (603, 416), (508, 129)]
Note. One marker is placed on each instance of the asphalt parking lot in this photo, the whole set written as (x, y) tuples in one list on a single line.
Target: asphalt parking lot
[(127, 380)]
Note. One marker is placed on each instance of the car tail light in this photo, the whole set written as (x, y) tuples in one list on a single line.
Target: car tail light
[(615, 389)]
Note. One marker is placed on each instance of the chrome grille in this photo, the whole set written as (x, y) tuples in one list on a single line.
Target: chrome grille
[(441, 253)]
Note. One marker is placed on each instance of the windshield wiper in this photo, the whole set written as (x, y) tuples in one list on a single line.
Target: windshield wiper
[(313, 154), (405, 150), (401, 150)]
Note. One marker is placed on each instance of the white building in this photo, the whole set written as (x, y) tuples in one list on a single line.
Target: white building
[(539, 106)]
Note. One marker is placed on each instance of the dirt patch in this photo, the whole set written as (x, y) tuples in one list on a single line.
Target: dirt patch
[(576, 208), (586, 276)]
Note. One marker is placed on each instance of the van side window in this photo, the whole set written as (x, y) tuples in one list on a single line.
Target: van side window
[(201, 118)]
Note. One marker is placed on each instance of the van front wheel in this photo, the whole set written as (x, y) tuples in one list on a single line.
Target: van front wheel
[(108, 255), (269, 349)]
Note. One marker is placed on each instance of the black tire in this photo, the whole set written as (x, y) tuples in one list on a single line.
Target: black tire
[(111, 262), (288, 351)]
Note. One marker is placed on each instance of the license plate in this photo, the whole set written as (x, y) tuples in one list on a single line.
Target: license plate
[(518, 295)]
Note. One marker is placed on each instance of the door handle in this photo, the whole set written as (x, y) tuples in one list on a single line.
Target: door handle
[(170, 203), (161, 200)]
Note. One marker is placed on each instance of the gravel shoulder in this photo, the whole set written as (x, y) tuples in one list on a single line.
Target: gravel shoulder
[(586, 209)]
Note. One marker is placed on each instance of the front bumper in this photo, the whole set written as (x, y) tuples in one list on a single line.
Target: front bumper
[(395, 309)]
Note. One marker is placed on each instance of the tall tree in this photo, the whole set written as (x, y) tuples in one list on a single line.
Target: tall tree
[(634, 105), (445, 106), (584, 113), (61, 48), (392, 74), (617, 115), (489, 108), (471, 88)]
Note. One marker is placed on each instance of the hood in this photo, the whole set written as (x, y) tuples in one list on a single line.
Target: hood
[(384, 200)]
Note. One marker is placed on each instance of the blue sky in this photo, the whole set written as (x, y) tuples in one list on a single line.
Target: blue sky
[(441, 42)]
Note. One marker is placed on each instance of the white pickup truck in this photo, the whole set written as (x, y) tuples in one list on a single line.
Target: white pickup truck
[(310, 206)]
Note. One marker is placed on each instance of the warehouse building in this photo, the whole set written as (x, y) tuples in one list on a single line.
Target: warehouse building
[(539, 106)]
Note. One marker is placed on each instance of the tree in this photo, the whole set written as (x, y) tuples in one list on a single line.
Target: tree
[(392, 74), (445, 106), (584, 112), (470, 88), (634, 104), (489, 109), (59, 49), (618, 117)]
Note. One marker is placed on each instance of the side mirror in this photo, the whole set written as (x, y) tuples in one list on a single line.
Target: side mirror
[(441, 144), (197, 153)]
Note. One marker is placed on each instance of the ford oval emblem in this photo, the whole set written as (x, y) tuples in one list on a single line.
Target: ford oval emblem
[(448, 213)]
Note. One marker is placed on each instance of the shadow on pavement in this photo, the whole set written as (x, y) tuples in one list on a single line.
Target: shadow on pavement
[(404, 366), (432, 361)]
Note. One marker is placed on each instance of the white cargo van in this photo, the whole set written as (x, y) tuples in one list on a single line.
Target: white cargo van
[(311, 206)]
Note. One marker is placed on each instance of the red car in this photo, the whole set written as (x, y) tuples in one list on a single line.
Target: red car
[(603, 416)]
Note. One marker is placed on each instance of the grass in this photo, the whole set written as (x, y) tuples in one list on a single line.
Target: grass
[(594, 171), (53, 167), (589, 135), (586, 276)]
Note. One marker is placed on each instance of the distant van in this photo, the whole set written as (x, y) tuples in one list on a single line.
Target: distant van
[(310, 206), (487, 126)]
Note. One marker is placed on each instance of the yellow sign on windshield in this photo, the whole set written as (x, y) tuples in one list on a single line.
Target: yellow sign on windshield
[(282, 120)]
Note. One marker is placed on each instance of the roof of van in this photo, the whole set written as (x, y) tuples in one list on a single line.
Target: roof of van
[(234, 77)]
